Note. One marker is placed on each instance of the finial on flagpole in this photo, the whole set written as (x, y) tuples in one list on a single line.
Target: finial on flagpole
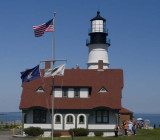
[(54, 14)]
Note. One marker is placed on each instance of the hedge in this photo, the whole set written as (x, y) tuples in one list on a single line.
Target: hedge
[(33, 131), (98, 133), (79, 132)]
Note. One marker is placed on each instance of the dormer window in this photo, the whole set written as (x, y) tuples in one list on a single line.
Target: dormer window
[(103, 90), (40, 90)]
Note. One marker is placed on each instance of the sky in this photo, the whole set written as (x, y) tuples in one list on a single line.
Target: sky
[(134, 30)]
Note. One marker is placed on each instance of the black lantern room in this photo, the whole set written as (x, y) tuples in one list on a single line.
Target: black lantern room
[(98, 32)]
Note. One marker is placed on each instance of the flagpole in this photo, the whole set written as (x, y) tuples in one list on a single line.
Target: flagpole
[(54, 17), (52, 106)]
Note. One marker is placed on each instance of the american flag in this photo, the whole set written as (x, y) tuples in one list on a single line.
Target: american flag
[(41, 29)]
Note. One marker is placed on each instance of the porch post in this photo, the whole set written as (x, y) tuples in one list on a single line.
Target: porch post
[(76, 123), (63, 127), (23, 115), (117, 118), (87, 117)]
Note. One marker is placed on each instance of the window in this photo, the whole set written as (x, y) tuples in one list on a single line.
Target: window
[(76, 92), (105, 116), (64, 92), (99, 117), (102, 116), (81, 119), (25, 118), (39, 116), (69, 119), (98, 26), (58, 119)]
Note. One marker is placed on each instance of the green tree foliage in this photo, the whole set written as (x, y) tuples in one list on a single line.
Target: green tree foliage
[(1, 122)]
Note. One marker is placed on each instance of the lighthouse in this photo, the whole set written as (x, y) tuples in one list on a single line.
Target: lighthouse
[(98, 43)]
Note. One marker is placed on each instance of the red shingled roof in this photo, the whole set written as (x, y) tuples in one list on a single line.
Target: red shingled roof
[(125, 111), (110, 79)]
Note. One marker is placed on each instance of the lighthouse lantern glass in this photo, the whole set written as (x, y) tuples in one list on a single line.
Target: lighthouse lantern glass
[(98, 26)]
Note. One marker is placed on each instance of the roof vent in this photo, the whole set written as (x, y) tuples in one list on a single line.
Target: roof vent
[(40, 90), (103, 90)]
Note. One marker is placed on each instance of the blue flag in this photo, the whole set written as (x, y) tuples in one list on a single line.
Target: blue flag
[(30, 74)]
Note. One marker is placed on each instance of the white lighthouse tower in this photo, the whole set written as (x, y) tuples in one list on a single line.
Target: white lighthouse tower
[(98, 43)]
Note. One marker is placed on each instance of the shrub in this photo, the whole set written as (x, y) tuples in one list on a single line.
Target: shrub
[(34, 131), (79, 131), (98, 133), (56, 134)]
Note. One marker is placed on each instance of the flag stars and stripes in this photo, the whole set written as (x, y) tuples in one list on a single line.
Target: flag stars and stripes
[(41, 29)]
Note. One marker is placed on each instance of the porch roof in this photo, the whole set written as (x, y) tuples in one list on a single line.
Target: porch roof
[(125, 111)]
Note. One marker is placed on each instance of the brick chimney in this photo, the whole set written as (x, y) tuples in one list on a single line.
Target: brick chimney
[(47, 65), (100, 64)]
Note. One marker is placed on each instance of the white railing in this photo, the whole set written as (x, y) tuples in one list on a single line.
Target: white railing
[(43, 126), (90, 126), (101, 126)]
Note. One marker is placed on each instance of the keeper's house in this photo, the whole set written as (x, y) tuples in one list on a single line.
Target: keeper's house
[(84, 98)]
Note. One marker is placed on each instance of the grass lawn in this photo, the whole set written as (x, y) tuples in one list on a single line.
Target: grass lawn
[(141, 135), (1, 129), (4, 129)]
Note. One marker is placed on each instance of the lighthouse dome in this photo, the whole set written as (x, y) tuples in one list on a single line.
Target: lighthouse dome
[(98, 17)]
